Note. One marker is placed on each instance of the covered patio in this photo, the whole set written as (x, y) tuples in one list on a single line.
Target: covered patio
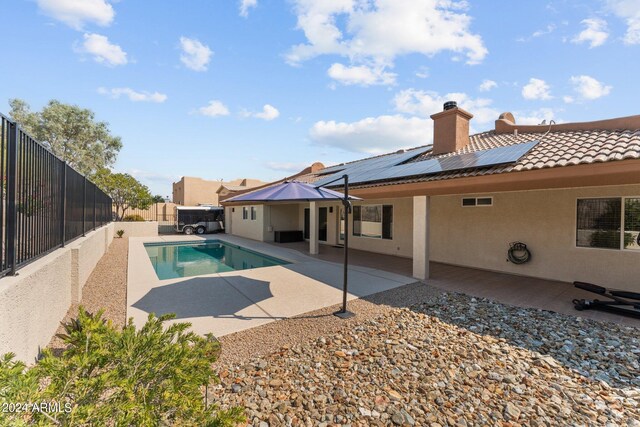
[(511, 289)]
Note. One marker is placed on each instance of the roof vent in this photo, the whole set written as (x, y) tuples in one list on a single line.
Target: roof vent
[(400, 151), (450, 105)]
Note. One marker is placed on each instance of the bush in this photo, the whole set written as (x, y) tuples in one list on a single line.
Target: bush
[(134, 217), (119, 233), (147, 377)]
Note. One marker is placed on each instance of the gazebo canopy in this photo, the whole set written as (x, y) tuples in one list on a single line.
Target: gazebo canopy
[(290, 191)]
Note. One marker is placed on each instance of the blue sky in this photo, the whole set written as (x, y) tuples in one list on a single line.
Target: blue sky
[(262, 88)]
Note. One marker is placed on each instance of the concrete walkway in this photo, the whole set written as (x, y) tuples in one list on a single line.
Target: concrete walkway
[(229, 302)]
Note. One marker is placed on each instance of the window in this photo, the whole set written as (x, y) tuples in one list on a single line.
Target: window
[(245, 212), (477, 201), (373, 221), (609, 223), (254, 214), (632, 223)]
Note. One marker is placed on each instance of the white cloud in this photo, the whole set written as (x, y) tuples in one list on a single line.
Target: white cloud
[(589, 88), (539, 33), (195, 55), (361, 75), (568, 99), (535, 117), (287, 166), (422, 73), (411, 126), (377, 31), (214, 109), (374, 135), (426, 103), (76, 13), (595, 32), (487, 85), (269, 112), (245, 5), (133, 95), (102, 50), (629, 10), (536, 89)]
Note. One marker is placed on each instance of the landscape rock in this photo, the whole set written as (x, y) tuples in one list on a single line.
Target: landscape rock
[(455, 361)]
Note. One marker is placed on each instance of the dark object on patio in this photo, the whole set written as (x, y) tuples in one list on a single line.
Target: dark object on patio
[(288, 236), (621, 302), (518, 253)]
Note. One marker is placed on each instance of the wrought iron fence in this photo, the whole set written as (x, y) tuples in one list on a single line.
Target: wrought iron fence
[(44, 203)]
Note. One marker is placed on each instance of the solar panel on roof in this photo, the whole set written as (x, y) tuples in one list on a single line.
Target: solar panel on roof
[(393, 166), (368, 165)]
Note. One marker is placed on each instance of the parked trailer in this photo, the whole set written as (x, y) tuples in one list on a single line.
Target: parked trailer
[(199, 219)]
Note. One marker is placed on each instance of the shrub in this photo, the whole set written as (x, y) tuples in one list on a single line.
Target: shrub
[(133, 217), (146, 377), (120, 233)]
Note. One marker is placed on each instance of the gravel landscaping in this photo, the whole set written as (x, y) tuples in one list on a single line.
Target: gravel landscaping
[(106, 289), (449, 360)]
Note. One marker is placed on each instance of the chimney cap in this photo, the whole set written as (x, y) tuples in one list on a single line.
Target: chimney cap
[(450, 105)]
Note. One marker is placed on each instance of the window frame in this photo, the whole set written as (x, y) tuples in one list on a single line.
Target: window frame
[(245, 213), (253, 213), (475, 202), (381, 205), (622, 200)]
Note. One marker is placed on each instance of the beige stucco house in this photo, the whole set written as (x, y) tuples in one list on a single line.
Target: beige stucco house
[(192, 191), (570, 192)]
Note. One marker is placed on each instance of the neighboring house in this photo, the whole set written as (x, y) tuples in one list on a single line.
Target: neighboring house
[(570, 192), (191, 191), (227, 191)]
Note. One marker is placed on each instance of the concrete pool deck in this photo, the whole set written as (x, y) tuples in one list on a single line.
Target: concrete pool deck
[(223, 303)]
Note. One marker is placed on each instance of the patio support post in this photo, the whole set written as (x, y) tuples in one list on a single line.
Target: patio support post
[(421, 213), (313, 232)]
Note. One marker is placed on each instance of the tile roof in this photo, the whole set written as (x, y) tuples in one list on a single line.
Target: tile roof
[(555, 149)]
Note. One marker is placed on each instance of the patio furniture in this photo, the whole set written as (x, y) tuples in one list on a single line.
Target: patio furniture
[(288, 236), (620, 302)]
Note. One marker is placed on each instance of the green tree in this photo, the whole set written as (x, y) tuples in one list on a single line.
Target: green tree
[(71, 132), (158, 199), (125, 191)]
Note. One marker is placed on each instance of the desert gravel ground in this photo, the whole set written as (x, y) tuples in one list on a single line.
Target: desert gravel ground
[(105, 289), (451, 360), (262, 340)]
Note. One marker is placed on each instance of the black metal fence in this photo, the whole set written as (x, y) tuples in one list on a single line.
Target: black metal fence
[(44, 203)]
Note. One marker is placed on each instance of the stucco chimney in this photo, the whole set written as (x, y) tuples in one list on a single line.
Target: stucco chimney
[(450, 129)]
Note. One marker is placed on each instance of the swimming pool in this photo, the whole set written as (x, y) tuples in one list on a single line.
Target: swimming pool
[(186, 259)]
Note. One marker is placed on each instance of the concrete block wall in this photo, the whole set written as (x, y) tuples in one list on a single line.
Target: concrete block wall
[(33, 303), (137, 229)]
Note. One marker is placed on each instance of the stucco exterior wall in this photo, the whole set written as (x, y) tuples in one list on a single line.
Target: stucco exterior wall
[(544, 220), (137, 228), (33, 303), (248, 228), (191, 191), (280, 218), (85, 254)]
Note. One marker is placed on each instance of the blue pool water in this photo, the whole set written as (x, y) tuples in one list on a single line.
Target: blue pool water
[(174, 260)]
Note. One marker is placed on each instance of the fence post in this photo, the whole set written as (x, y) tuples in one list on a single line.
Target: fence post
[(12, 193), (63, 205), (84, 203), (95, 187)]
